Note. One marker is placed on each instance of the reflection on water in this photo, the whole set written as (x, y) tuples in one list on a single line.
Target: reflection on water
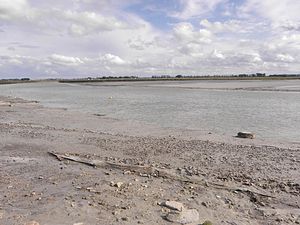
[(270, 114)]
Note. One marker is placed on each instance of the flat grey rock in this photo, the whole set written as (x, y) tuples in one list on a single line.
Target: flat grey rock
[(184, 217)]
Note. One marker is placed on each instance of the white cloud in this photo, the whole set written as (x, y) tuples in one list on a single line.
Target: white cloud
[(217, 27), (195, 8), (217, 54), (65, 60), (83, 23), (186, 32), (112, 59), (16, 10), (285, 57), (48, 18), (277, 11)]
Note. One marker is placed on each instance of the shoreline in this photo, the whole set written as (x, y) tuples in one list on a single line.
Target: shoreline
[(204, 78), (225, 180)]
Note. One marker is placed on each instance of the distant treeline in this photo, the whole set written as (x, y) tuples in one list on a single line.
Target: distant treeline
[(15, 80), (257, 76)]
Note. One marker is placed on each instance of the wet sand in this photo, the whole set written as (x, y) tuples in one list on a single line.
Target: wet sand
[(244, 85), (227, 180)]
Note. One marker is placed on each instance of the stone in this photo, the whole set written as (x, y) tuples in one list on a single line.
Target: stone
[(246, 135), (32, 223), (1, 214), (2, 103), (173, 205), (125, 218), (119, 184), (207, 222), (184, 217), (298, 220)]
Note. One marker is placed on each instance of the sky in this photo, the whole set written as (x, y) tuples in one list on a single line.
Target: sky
[(80, 38)]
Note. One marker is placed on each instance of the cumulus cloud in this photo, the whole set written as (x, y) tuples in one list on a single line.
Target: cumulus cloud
[(187, 33), (285, 57), (78, 22), (16, 10), (112, 60), (83, 23), (65, 60)]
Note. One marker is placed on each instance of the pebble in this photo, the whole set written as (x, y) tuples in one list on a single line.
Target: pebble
[(125, 218), (118, 184)]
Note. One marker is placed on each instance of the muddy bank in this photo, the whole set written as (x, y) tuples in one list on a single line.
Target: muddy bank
[(227, 181)]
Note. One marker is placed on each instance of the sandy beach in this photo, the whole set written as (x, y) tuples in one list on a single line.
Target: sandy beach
[(60, 167)]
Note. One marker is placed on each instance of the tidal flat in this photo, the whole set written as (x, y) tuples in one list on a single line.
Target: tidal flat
[(66, 167)]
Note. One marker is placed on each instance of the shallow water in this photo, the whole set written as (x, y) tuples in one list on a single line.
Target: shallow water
[(210, 106)]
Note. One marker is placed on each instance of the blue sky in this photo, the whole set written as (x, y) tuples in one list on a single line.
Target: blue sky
[(76, 38)]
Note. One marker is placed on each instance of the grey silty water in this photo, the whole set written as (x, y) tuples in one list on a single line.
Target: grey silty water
[(272, 114)]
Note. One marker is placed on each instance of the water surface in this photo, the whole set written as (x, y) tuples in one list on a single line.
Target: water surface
[(271, 109)]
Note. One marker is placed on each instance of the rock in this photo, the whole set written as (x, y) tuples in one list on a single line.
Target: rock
[(2, 103), (125, 218), (207, 222), (246, 135), (298, 220), (119, 184), (184, 217), (174, 205), (1, 214), (32, 223)]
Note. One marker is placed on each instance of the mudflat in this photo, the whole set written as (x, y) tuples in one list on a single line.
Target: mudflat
[(59, 167)]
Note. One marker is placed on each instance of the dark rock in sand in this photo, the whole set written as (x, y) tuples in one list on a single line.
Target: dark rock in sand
[(246, 135)]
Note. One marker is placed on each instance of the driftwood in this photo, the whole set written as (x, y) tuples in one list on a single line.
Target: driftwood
[(158, 172), (103, 164)]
